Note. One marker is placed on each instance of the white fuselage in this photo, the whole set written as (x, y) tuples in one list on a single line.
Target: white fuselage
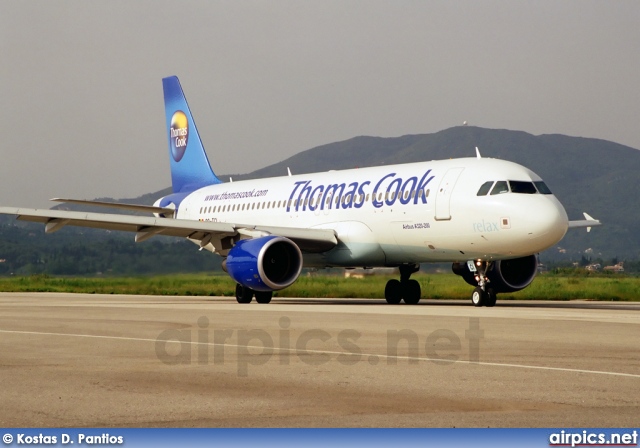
[(408, 213)]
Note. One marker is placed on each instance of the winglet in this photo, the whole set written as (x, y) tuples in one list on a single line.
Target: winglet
[(588, 218), (478, 153)]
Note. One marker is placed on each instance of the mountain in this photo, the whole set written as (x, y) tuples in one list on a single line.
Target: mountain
[(587, 175)]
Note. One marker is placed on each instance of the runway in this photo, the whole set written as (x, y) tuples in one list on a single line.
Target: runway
[(147, 361)]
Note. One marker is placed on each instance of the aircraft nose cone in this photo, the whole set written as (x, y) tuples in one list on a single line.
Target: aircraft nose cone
[(550, 222)]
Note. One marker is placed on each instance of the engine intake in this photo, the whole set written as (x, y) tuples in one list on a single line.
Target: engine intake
[(268, 263)]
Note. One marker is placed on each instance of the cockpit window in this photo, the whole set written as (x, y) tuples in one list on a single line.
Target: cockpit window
[(500, 187), (513, 186), (542, 187), (518, 186), (484, 189)]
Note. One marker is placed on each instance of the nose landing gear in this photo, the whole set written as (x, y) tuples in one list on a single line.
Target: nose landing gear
[(483, 294), (405, 289)]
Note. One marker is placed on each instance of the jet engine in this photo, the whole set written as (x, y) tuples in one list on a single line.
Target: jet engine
[(504, 275), (268, 263)]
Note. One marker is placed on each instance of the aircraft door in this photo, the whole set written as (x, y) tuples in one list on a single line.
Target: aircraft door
[(443, 195)]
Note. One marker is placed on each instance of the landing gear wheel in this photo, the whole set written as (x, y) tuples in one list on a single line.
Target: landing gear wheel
[(393, 292), (243, 294), (491, 297), (411, 292), (264, 296), (479, 297)]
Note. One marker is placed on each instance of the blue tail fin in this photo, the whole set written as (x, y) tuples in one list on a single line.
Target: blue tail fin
[(190, 168)]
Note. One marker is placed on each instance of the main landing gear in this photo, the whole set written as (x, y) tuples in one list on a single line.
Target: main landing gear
[(483, 294), (405, 289), (245, 295)]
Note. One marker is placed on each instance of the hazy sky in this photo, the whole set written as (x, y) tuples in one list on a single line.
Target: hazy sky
[(82, 110)]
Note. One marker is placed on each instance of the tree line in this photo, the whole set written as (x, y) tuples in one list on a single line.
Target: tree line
[(27, 250)]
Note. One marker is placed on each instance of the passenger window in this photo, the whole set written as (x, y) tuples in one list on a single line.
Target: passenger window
[(484, 189), (500, 187), (518, 186), (542, 187)]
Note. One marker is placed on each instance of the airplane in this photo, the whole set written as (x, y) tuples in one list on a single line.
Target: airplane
[(488, 217)]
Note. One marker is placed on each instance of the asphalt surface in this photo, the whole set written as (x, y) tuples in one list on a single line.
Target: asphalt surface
[(106, 360)]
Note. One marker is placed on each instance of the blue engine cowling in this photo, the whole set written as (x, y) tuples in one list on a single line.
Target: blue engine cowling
[(268, 263), (504, 275)]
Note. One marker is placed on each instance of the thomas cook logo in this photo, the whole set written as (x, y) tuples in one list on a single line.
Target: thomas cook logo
[(179, 135)]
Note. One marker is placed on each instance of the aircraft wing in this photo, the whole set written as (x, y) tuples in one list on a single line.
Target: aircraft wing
[(587, 222), (133, 207), (309, 240)]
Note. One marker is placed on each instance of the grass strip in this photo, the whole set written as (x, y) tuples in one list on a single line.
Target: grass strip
[(434, 286)]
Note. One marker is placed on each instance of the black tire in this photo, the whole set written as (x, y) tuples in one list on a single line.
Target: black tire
[(243, 294), (411, 292), (491, 297), (264, 296), (479, 297), (393, 292)]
